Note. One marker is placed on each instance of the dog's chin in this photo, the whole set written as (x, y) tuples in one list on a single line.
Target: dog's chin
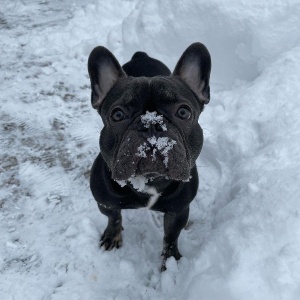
[(149, 175), (151, 169), (148, 166)]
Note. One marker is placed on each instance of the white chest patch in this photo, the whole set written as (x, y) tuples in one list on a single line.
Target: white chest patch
[(154, 195), (140, 184)]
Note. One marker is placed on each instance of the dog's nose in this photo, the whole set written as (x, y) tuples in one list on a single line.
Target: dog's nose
[(150, 128), (158, 127)]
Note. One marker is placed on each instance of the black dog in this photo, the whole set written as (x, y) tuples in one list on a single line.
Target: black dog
[(151, 138)]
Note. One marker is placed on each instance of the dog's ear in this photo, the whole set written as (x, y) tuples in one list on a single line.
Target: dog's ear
[(104, 71), (194, 68)]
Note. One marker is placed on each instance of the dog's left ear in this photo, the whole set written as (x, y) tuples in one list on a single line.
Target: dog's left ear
[(194, 68), (104, 71)]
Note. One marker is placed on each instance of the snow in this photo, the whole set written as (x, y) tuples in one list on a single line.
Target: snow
[(142, 150), (138, 182), (161, 144), (152, 118), (243, 237)]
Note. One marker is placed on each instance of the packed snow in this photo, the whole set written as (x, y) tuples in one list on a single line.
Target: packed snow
[(243, 237)]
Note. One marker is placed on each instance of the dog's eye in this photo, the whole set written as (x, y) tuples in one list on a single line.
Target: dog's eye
[(184, 113), (118, 115)]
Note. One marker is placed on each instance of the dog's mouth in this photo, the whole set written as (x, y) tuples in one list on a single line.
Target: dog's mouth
[(151, 168), (149, 175)]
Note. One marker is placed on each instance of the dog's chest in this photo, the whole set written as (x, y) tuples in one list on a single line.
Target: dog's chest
[(141, 185), (153, 196)]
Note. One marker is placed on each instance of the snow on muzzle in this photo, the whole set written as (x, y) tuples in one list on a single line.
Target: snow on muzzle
[(152, 156)]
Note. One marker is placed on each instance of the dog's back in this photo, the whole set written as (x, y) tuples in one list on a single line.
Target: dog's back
[(143, 65)]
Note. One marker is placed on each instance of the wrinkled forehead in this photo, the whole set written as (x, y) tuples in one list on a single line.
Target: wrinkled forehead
[(171, 90), (147, 92)]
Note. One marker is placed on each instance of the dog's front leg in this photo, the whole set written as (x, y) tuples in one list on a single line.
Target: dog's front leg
[(173, 224), (111, 237)]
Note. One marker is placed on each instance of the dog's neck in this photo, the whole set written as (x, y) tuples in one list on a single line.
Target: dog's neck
[(154, 188), (162, 184)]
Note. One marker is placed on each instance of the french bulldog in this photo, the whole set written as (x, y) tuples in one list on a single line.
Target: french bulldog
[(150, 140)]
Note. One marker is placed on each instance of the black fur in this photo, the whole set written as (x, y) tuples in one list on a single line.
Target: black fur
[(145, 84), (143, 65)]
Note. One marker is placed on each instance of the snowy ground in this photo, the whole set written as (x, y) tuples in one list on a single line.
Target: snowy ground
[(243, 239)]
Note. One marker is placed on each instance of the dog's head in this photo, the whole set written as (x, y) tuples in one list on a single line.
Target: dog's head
[(150, 123)]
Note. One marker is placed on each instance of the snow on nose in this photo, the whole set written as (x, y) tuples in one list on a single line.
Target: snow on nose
[(152, 118)]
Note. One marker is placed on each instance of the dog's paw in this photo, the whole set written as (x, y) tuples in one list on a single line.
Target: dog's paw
[(110, 240), (169, 250), (112, 237)]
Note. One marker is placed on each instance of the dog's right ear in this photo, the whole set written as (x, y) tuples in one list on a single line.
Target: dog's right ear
[(104, 71)]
